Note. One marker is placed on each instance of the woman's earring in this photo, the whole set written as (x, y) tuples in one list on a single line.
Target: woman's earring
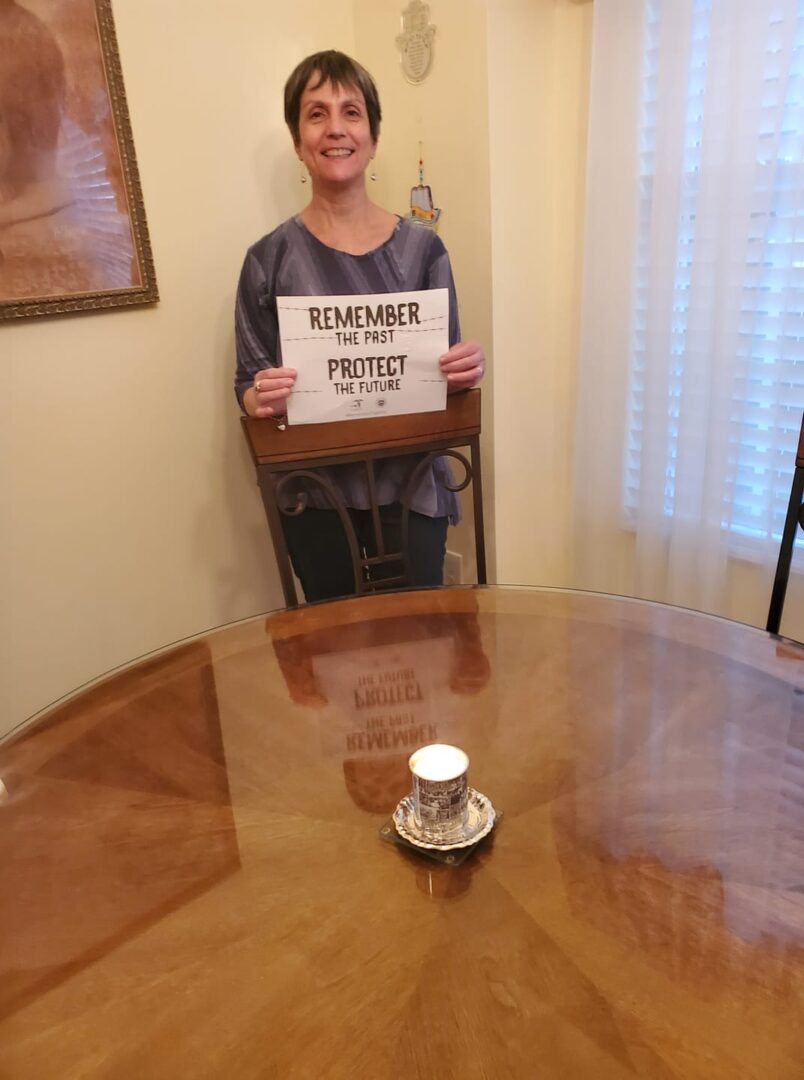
[(303, 176), (372, 175)]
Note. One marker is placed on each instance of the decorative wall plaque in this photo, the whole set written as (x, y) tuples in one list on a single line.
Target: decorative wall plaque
[(415, 43)]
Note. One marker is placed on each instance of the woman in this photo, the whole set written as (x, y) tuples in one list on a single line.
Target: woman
[(342, 244)]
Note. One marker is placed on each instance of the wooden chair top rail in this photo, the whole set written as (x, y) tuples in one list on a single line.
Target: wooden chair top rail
[(269, 445)]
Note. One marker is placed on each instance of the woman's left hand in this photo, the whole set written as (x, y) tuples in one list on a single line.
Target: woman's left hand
[(464, 365)]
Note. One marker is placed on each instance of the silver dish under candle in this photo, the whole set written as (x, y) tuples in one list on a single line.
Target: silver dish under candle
[(479, 822)]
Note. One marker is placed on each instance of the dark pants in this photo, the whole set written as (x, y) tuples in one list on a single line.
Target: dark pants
[(320, 554)]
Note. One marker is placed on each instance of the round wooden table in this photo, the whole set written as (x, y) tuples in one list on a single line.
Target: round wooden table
[(194, 883)]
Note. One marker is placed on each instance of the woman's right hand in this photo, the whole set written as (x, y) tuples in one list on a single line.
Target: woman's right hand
[(270, 389)]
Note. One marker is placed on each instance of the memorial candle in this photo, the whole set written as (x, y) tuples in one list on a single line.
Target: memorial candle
[(440, 789)]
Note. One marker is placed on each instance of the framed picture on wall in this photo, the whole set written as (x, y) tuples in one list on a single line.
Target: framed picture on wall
[(73, 234)]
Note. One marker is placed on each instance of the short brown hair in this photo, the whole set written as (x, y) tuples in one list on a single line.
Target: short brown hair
[(340, 70)]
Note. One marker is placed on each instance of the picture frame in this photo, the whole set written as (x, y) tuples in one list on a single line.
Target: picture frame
[(73, 230)]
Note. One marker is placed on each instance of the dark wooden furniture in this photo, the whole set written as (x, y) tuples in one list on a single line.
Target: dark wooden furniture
[(280, 455), (792, 521), (194, 884)]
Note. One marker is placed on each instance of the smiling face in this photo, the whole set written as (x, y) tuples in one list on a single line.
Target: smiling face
[(335, 140)]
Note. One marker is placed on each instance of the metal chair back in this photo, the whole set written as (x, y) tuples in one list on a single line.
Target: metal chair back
[(282, 456)]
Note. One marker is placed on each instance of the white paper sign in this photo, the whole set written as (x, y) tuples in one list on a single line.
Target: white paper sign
[(364, 355)]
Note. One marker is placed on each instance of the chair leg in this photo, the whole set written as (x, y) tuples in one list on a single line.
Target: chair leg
[(785, 553), (266, 485), (477, 507)]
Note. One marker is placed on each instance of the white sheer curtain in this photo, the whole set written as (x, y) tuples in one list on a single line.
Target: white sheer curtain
[(692, 341)]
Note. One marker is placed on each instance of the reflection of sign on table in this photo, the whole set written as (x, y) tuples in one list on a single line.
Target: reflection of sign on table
[(386, 699), (358, 356)]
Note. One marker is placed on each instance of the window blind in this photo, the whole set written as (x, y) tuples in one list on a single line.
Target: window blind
[(766, 392)]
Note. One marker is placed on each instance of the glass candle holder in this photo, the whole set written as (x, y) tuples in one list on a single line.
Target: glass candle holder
[(440, 791)]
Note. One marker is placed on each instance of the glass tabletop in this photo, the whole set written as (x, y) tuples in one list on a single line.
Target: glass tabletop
[(194, 883)]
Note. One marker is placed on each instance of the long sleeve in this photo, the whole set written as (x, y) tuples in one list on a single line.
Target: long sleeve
[(439, 276), (256, 326)]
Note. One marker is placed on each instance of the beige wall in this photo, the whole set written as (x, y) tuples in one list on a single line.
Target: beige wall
[(130, 514), (538, 57), (502, 118), (448, 114)]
